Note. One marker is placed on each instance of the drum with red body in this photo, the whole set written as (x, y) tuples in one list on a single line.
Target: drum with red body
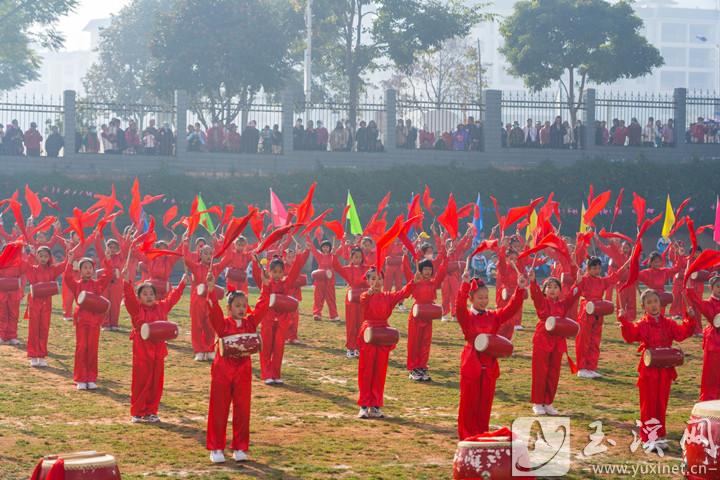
[(666, 298), (300, 281), (236, 275), (700, 441), (381, 336), (93, 302), (489, 458), (9, 284), (562, 327), (700, 276), (393, 261), (494, 345), (283, 303), (426, 311), (505, 294), (663, 357), (162, 287), (599, 308), (81, 466), (240, 345), (44, 289), (201, 290), (159, 331), (321, 275), (353, 294)]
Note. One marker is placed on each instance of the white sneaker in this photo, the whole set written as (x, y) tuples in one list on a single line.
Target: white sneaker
[(68, 319), (335, 319), (81, 386), (349, 353), (13, 341), (199, 357), (41, 362), (444, 318), (363, 413), (92, 386), (3, 342), (137, 419), (375, 412), (415, 375), (454, 319), (210, 356), (217, 456), (269, 381), (538, 409), (550, 410), (33, 362), (152, 418), (519, 327), (584, 373), (240, 456), (279, 381), (356, 353), (595, 374)]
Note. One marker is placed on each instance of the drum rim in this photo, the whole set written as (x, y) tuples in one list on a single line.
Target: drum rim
[(487, 341), (489, 444), (550, 323), (84, 462), (698, 411)]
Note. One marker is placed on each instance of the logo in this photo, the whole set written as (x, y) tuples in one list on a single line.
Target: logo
[(543, 446)]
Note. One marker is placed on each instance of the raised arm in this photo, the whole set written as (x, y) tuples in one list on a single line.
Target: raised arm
[(132, 305), (174, 296), (297, 266), (630, 330)]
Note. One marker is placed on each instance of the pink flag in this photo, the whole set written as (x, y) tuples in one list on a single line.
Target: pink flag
[(277, 210), (716, 232)]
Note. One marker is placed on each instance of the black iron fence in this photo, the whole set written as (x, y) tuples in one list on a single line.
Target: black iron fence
[(702, 118), (446, 125), (634, 119)]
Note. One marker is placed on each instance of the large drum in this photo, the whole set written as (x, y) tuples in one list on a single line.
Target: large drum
[(93, 302), (700, 441), (381, 336), (81, 466), (666, 298), (201, 290), (599, 308), (283, 303), (505, 294), (484, 459), (300, 281), (240, 345), (700, 276), (663, 357), (426, 311), (321, 275), (44, 289), (494, 345), (159, 331), (236, 275), (562, 327), (9, 284), (353, 294)]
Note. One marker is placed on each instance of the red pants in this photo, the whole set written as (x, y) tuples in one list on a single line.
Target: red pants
[(230, 383), (476, 398), (587, 343), (323, 292), (67, 299), (243, 287), (273, 332), (419, 341), (148, 375), (353, 320), (393, 278), (114, 294), (545, 375), (450, 288), (87, 338), (292, 330), (38, 327), (372, 370), (9, 314), (710, 380), (654, 396), (202, 334)]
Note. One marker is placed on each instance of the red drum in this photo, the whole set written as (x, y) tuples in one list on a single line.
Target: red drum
[(321, 275), (159, 331), (44, 289), (381, 336), (393, 261), (505, 294), (283, 303), (82, 466), (201, 290), (599, 308), (494, 345), (93, 302), (426, 311), (9, 284), (456, 266), (666, 298), (700, 276), (240, 345), (162, 287), (663, 357), (300, 281), (700, 440), (562, 327), (487, 459), (353, 294), (236, 275), (716, 321)]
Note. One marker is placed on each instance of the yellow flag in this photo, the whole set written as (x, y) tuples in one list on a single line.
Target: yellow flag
[(531, 228), (583, 226), (669, 218)]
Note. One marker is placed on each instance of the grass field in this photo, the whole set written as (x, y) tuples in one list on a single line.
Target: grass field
[(307, 428)]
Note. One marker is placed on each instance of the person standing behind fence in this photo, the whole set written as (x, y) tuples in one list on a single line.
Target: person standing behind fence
[(427, 139), (90, 142), (298, 134), (54, 143), (339, 138), (276, 140), (132, 139), (557, 133), (362, 137), (474, 134), (232, 139), (13, 139), (412, 134), (322, 136), (544, 135), (668, 134), (374, 144), (215, 137), (634, 133), (33, 140), (648, 133), (166, 140), (530, 134), (400, 134)]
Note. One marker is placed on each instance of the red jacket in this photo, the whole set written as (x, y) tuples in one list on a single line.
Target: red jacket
[(657, 278), (141, 314), (95, 286), (548, 308), (709, 309), (354, 275)]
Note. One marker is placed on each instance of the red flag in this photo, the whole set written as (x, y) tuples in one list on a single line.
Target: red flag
[(618, 204), (16, 209), (590, 195), (75, 223), (639, 206), (304, 210), (11, 255), (154, 253), (148, 199), (403, 236), (634, 271), (617, 235), (707, 260), (257, 223), (33, 202), (107, 203), (386, 239), (376, 226), (466, 210), (497, 211), (449, 218), (518, 213), (682, 207), (336, 228), (51, 204), (597, 206), (550, 241), (384, 202), (273, 238), (227, 214), (428, 200), (170, 215), (693, 236), (317, 222), (704, 228), (414, 209), (484, 245), (135, 206), (44, 225), (679, 223), (234, 229)]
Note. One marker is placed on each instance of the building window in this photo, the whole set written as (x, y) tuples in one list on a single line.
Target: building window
[(701, 58), (671, 80), (701, 31), (701, 81), (674, 56), (674, 32)]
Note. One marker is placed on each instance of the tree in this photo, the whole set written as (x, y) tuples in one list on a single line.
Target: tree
[(359, 36), (25, 24), (576, 42), (223, 52)]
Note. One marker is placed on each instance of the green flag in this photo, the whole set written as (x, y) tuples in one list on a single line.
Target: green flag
[(355, 225), (205, 219)]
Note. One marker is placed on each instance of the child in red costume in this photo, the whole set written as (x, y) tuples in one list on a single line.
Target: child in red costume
[(456, 266), (231, 378), (548, 349), (393, 267), (376, 306), (148, 362), (39, 309), (10, 304), (87, 324), (657, 276), (710, 309), (112, 258), (507, 277), (67, 296), (479, 371), (619, 254), (295, 291), (654, 330), (159, 269), (240, 258), (324, 290), (354, 275)]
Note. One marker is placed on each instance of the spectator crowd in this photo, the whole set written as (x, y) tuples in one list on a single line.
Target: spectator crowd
[(13, 141)]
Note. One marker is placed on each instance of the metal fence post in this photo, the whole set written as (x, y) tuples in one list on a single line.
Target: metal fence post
[(492, 129), (288, 109), (390, 119), (589, 119), (69, 122), (680, 114), (181, 106)]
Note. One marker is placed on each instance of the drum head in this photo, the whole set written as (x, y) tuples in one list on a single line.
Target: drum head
[(273, 299), (367, 335), (589, 308), (710, 408), (647, 358), (81, 296), (201, 289), (716, 321), (492, 442), (550, 323), (415, 310), (481, 342), (145, 331), (504, 294)]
